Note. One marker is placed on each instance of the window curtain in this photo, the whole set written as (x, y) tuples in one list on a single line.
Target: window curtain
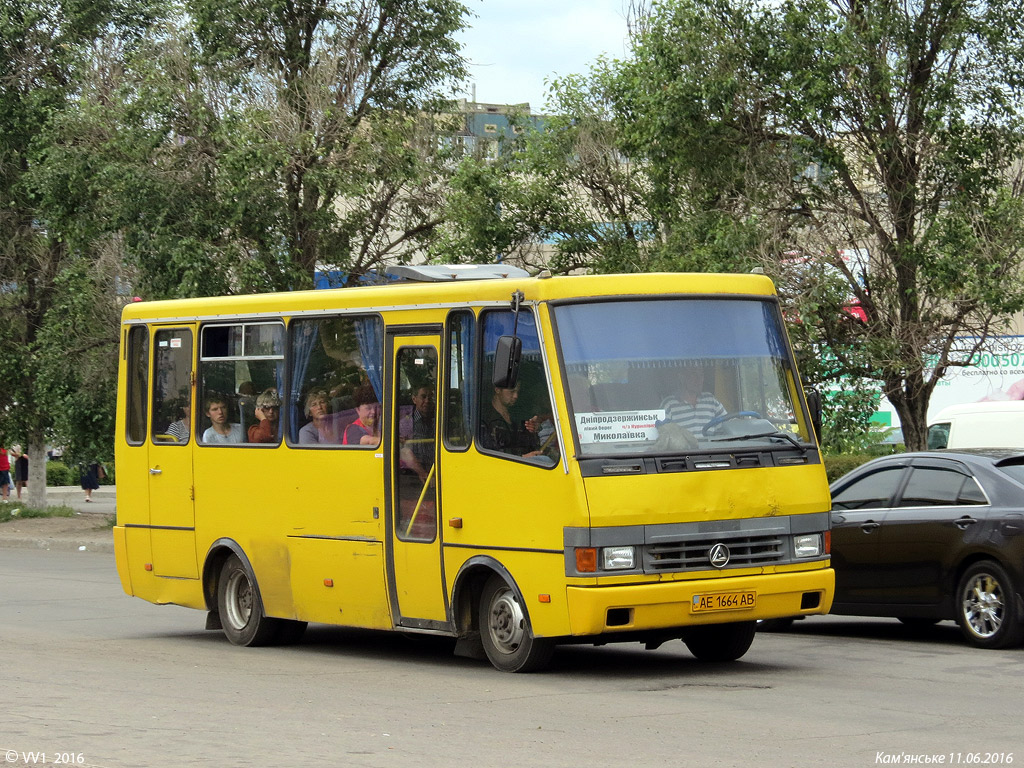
[(370, 336), (304, 340)]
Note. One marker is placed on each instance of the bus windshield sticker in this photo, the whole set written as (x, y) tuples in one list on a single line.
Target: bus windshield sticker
[(619, 426)]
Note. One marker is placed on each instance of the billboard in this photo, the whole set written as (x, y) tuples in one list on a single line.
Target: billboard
[(995, 374)]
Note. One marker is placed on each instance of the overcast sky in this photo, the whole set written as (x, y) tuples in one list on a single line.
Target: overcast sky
[(513, 45)]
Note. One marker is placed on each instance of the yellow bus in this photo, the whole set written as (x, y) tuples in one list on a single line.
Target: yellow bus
[(512, 461)]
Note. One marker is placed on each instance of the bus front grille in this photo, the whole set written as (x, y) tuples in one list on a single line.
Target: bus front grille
[(695, 554)]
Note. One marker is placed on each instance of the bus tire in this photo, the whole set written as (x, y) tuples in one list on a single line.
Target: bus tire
[(240, 606), (505, 631), (721, 642)]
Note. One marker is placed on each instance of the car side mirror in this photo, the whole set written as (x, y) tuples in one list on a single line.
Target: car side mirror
[(507, 356)]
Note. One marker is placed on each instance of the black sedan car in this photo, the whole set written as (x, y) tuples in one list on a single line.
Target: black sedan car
[(936, 535)]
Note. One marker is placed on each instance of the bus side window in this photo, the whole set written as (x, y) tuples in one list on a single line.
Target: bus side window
[(458, 389), (334, 363), (516, 421), (241, 366), (138, 384), (172, 385)]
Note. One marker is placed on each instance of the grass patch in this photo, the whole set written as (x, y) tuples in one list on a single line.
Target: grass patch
[(17, 510)]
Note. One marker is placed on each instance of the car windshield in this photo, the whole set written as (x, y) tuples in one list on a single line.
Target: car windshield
[(671, 375)]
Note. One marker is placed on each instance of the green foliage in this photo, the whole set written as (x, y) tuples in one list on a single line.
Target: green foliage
[(846, 415), (59, 474), (283, 139), (837, 465), (47, 51)]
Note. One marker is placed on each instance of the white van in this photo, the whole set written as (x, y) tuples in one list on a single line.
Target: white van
[(991, 424)]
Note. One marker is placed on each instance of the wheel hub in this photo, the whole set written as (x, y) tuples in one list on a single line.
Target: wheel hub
[(506, 622), (983, 605), (239, 600)]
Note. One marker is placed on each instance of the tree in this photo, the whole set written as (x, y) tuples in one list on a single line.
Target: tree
[(559, 195), (870, 150), (327, 99), (44, 47), (243, 149)]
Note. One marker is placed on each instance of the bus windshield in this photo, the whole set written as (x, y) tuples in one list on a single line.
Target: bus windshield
[(680, 374)]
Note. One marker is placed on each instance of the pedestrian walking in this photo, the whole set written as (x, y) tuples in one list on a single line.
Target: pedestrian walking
[(90, 478), (5, 471), (20, 469)]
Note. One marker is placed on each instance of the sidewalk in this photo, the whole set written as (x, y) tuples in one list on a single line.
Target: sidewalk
[(102, 498), (88, 530)]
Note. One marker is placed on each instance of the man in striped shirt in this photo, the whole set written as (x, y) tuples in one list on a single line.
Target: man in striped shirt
[(692, 408), (180, 428)]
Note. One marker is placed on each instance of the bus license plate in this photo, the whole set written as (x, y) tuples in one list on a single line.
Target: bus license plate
[(723, 601)]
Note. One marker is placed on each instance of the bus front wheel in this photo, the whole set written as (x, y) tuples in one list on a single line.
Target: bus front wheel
[(241, 610), (721, 642), (505, 631)]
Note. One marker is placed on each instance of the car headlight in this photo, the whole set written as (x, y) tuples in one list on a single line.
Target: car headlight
[(807, 545), (618, 558)]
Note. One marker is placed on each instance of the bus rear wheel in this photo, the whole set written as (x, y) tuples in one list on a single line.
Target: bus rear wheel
[(721, 642), (505, 631), (240, 607)]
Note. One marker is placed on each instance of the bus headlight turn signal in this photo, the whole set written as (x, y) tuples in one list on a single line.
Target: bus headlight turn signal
[(611, 559)]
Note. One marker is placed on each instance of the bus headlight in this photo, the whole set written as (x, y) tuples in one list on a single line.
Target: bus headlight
[(618, 558), (807, 545)]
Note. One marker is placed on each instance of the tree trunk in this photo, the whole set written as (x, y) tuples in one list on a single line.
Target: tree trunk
[(911, 404), (37, 469)]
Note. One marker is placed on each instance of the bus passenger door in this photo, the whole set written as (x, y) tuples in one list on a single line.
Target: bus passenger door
[(415, 581), (171, 514)]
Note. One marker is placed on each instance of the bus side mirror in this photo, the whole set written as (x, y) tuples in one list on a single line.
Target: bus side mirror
[(814, 406), (506, 361)]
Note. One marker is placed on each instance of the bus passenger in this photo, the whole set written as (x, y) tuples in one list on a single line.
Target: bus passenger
[(500, 432), (692, 407), (321, 428), (268, 414), (220, 430), (180, 429), (365, 430), (417, 432)]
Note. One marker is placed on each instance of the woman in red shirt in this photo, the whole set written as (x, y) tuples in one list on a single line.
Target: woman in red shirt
[(5, 471)]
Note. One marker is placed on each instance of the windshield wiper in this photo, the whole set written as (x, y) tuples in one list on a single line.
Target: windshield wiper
[(777, 433)]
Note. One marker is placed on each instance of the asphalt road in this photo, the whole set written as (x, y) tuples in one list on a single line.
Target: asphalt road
[(91, 677)]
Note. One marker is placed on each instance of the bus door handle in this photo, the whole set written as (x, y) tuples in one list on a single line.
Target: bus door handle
[(155, 471)]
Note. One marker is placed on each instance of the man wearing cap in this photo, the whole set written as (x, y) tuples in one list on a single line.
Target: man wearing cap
[(268, 414)]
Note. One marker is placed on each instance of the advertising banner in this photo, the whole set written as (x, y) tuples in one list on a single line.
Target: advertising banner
[(995, 374)]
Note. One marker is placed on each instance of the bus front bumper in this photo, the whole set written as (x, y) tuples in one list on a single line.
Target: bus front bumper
[(663, 605)]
